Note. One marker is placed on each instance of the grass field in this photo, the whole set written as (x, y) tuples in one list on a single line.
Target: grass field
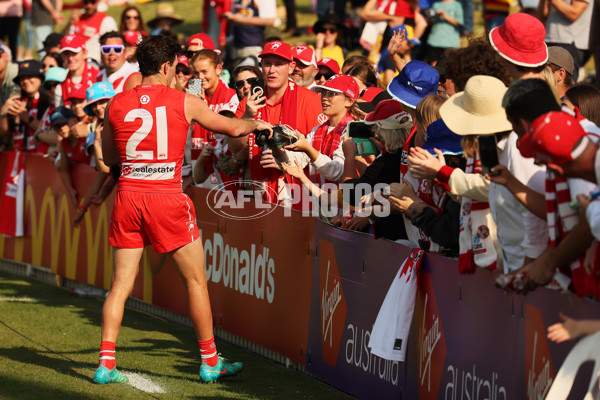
[(49, 343)]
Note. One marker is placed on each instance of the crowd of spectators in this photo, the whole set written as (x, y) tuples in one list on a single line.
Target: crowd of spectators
[(430, 108)]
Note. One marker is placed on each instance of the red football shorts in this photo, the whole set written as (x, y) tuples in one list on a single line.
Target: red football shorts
[(167, 221)]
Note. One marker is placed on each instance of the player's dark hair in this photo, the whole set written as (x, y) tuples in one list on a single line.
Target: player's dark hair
[(154, 51), (110, 35), (528, 99)]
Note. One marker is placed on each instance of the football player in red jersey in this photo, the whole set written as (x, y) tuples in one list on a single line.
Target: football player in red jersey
[(145, 131)]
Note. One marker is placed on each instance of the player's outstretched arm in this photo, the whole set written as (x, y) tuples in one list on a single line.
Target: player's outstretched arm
[(197, 110), (109, 151)]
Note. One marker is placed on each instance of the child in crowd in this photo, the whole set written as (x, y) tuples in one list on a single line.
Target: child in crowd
[(445, 31)]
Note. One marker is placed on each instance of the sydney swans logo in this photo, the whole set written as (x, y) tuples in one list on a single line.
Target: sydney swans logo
[(329, 302)]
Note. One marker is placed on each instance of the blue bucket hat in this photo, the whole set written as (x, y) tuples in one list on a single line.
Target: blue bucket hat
[(416, 80), (98, 91), (56, 74), (440, 137)]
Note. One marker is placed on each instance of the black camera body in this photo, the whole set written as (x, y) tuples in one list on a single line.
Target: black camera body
[(283, 135)]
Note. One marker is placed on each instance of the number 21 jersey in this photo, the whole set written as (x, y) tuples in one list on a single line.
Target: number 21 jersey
[(150, 131)]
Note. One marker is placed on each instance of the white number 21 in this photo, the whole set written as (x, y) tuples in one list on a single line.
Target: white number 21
[(162, 143)]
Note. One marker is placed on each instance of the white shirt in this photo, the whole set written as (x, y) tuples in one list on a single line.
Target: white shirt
[(331, 169), (511, 217)]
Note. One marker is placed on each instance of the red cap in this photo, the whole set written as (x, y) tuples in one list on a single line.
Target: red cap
[(202, 40), (183, 60), (305, 54), (520, 40), (341, 84), (277, 48), (331, 64), (72, 43), (133, 38), (552, 138), (370, 93), (78, 93), (388, 115)]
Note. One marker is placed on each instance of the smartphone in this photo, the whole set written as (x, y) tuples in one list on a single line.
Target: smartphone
[(358, 129), (258, 86), (195, 87), (15, 91), (488, 153), (364, 147)]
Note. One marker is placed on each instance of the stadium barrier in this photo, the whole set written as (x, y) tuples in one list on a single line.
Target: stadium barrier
[(311, 292)]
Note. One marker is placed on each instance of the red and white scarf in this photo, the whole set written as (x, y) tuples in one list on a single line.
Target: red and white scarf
[(561, 218), (88, 78), (327, 143), (477, 231)]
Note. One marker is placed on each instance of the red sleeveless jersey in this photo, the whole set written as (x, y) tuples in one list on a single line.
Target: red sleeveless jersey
[(150, 130)]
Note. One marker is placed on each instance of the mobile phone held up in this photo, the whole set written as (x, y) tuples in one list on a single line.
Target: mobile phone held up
[(488, 153), (358, 129), (195, 87), (360, 134), (257, 85)]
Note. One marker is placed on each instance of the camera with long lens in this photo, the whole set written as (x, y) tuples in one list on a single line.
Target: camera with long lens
[(283, 135)]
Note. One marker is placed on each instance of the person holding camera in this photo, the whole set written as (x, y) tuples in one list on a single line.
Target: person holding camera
[(286, 103)]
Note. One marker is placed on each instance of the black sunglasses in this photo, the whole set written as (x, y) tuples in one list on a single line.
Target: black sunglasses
[(132, 17), (240, 84), (183, 70), (330, 29), (327, 75), (189, 54), (89, 1)]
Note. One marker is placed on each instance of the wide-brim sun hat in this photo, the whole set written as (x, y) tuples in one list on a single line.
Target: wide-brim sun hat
[(520, 40), (478, 109), (165, 10)]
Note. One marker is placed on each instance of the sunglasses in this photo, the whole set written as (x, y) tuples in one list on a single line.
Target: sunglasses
[(132, 17), (329, 29), (327, 75), (328, 94), (183, 70), (89, 1), (114, 49), (240, 84), (189, 54)]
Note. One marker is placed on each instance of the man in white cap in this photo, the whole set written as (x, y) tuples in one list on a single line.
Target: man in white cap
[(90, 26), (305, 69)]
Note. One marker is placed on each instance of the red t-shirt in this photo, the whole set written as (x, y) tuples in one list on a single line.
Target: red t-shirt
[(397, 8), (150, 130)]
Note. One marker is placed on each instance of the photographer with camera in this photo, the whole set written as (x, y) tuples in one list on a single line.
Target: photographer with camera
[(286, 103)]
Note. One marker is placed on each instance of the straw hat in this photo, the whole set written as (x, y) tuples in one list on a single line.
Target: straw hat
[(478, 110), (165, 10)]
